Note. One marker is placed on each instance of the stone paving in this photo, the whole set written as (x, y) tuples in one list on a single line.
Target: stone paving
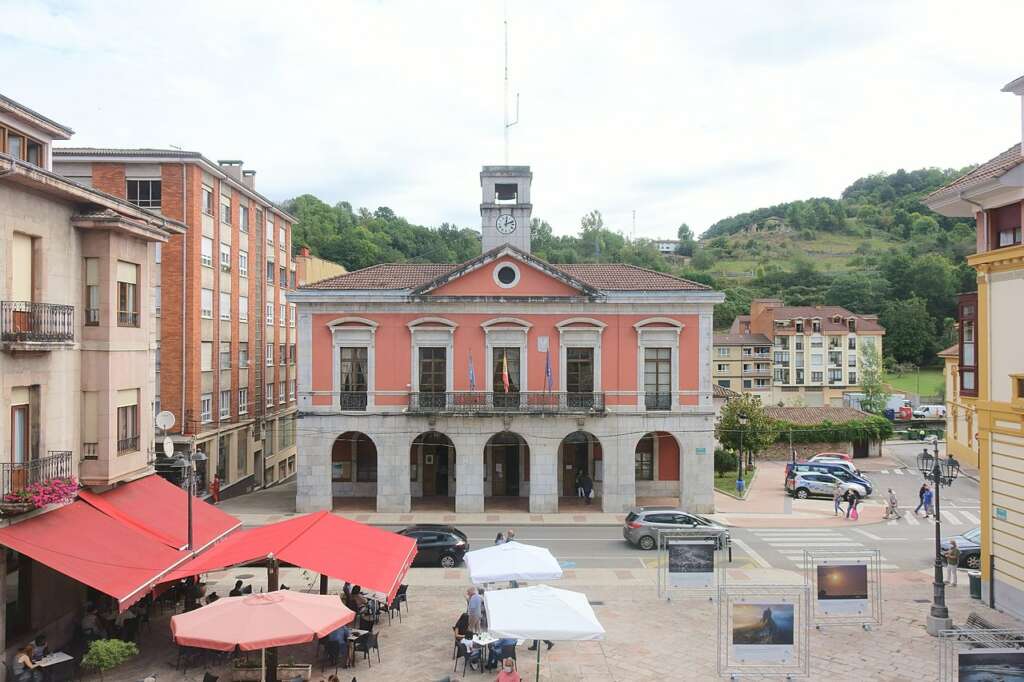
[(647, 638)]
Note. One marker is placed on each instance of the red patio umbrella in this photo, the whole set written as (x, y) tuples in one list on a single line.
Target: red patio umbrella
[(259, 621)]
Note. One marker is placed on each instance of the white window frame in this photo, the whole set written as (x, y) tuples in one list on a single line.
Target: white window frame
[(579, 332), (270, 395), (157, 296), (206, 307), (225, 409), (206, 408), (291, 315), (657, 332), (206, 252), (225, 203), (225, 257), (270, 312), (432, 332), (243, 263), (353, 336), (243, 400), (269, 354), (243, 218), (225, 311), (206, 356), (506, 333), (243, 308), (283, 314)]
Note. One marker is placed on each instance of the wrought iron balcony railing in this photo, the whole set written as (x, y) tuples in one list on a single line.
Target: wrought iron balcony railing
[(352, 400), (529, 402), (17, 476), (130, 444), (658, 401), (31, 322), (127, 318)]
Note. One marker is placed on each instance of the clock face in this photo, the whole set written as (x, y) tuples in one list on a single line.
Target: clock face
[(506, 224)]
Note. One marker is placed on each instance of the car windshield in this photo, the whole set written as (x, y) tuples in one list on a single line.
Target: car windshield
[(973, 535)]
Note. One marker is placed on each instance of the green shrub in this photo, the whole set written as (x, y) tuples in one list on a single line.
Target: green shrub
[(105, 654), (725, 460)]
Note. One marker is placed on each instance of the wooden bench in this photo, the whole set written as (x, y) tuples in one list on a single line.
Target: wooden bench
[(984, 634)]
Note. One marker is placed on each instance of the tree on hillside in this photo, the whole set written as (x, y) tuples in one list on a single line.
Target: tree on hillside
[(872, 380), (686, 241), (909, 331), (858, 292), (759, 432)]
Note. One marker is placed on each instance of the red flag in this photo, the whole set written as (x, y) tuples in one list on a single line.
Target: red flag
[(504, 371)]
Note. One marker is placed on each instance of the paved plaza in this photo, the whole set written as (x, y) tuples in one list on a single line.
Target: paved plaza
[(647, 638)]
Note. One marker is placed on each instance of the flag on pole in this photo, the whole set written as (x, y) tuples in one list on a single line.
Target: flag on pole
[(504, 371), (472, 373), (548, 380)]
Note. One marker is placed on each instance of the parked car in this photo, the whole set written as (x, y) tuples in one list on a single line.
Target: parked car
[(816, 484), (969, 544), (437, 545), (642, 525), (846, 464), (837, 469), (831, 455), (930, 412)]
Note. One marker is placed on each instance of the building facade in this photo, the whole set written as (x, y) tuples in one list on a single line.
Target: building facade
[(817, 351), (226, 364), (961, 408), (505, 379), (743, 363), (77, 348), (991, 364), (310, 269)]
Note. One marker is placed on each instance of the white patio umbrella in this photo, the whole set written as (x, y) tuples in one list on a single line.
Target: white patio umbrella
[(511, 561), (542, 612)]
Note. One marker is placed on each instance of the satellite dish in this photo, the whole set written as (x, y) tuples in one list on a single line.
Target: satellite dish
[(168, 447), (165, 420)]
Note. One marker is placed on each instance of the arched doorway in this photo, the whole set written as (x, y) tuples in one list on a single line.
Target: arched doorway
[(506, 470), (580, 456), (354, 470), (656, 468), (432, 468)]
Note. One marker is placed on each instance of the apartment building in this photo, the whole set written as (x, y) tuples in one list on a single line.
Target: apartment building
[(77, 350), (499, 382), (310, 268), (816, 350), (990, 364), (961, 407), (226, 348), (743, 363)]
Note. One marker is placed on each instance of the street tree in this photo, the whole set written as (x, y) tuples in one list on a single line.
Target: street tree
[(872, 380), (755, 436)]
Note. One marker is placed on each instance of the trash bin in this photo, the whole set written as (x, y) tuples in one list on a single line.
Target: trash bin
[(740, 485), (975, 579)]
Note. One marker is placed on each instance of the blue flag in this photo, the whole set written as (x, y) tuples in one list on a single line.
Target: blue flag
[(548, 380), (472, 373)]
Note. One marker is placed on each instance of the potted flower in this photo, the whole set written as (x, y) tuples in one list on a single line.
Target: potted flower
[(105, 654), (39, 494)]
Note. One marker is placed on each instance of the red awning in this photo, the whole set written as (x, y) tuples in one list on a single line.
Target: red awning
[(158, 508), (85, 544), (376, 560)]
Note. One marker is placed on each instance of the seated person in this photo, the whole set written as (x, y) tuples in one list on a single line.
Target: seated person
[(23, 669), (471, 650), (461, 627), (39, 647), (237, 590), (212, 598), (337, 643), (508, 672), (357, 599), (496, 650)]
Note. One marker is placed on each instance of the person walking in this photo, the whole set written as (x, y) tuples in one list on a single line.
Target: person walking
[(920, 498), (533, 647), (579, 483), (215, 489), (500, 539), (852, 499), (510, 535), (892, 509), (837, 500), (588, 487), (928, 503), (952, 556)]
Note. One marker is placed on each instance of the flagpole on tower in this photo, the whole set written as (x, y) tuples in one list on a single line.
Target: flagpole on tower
[(508, 123)]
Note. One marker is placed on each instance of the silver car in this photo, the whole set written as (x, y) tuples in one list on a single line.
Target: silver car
[(813, 483), (642, 525)]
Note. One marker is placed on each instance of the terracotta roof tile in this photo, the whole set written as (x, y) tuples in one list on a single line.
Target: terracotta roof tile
[(604, 276), (951, 352), (992, 168), (809, 416), (723, 392), (741, 340), (865, 323)]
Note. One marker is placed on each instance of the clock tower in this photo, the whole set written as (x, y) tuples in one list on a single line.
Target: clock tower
[(506, 208)]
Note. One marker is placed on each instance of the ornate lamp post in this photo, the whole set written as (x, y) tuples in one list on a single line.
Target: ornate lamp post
[(940, 473), (189, 463), (743, 421)]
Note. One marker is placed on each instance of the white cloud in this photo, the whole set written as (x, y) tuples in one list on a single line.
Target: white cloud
[(682, 112)]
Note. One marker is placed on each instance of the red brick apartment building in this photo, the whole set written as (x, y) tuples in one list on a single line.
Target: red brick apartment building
[(226, 335)]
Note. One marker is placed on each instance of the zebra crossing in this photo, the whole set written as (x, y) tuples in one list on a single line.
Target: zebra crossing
[(956, 516), (790, 543)]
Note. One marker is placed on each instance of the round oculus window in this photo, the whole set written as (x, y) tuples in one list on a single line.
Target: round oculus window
[(507, 275)]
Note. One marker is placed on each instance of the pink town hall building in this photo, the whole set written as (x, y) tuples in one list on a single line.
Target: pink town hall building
[(505, 381)]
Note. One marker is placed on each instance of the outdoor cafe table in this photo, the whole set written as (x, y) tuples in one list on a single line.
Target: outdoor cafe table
[(485, 640), (56, 667)]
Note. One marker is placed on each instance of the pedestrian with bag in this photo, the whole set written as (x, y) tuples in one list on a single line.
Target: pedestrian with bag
[(852, 498), (920, 498), (928, 503), (952, 556), (892, 506), (588, 488)]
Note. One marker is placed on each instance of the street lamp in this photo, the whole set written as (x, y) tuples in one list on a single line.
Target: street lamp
[(743, 421), (189, 463), (941, 473)]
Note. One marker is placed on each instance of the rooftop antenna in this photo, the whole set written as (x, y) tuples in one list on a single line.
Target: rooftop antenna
[(508, 123)]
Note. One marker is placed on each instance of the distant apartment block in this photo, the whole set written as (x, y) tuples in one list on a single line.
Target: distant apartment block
[(816, 351), (743, 363), (226, 342), (310, 269)]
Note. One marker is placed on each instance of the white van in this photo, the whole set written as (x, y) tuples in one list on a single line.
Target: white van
[(930, 411)]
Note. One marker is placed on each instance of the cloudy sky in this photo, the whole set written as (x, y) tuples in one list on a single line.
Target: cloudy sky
[(677, 110)]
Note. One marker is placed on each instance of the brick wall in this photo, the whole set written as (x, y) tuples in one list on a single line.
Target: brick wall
[(109, 178)]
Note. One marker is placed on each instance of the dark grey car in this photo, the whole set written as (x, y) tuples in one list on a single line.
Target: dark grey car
[(642, 525)]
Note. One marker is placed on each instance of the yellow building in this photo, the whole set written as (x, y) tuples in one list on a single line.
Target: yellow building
[(993, 193), (961, 411)]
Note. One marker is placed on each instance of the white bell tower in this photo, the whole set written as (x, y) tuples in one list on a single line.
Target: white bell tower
[(505, 209)]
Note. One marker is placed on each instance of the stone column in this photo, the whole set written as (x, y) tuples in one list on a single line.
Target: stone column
[(544, 476), (393, 486), (619, 473), (313, 469), (469, 473), (697, 468)]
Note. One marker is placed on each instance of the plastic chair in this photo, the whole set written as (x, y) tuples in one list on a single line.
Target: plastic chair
[(366, 644), (402, 596), (467, 657)]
